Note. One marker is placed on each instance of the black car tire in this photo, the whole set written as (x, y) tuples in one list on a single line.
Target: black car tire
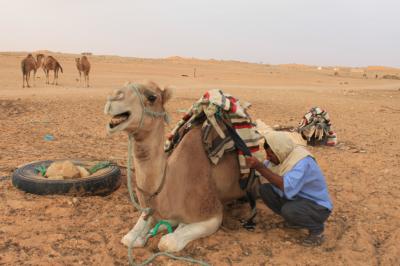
[(100, 183)]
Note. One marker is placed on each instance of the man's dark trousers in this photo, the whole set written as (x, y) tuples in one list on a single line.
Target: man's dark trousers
[(300, 211)]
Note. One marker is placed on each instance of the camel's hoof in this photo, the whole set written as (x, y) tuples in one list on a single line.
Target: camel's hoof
[(170, 243), (127, 239)]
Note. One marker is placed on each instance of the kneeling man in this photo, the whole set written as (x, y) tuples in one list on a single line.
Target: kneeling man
[(297, 189)]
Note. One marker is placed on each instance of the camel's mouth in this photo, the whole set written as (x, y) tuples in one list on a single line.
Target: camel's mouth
[(118, 120)]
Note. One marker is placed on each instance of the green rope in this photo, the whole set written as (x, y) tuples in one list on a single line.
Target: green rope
[(154, 231), (99, 166), (41, 169), (149, 212)]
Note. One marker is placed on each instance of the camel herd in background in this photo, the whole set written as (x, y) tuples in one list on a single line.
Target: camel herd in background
[(49, 63)]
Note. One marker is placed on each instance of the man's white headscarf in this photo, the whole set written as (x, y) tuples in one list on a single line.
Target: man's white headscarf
[(288, 153)]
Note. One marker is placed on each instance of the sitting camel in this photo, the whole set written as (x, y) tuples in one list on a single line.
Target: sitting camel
[(50, 63), (83, 65), (184, 188), (29, 64)]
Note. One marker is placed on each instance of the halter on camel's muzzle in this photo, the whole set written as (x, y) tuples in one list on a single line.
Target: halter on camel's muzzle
[(145, 110)]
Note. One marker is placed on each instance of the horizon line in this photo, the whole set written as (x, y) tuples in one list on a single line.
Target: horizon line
[(196, 58)]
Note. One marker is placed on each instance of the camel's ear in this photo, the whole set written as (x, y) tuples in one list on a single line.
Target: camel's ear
[(166, 94)]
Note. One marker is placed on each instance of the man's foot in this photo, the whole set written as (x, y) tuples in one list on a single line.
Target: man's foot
[(313, 239)]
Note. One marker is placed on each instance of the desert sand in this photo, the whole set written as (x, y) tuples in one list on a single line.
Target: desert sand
[(362, 171)]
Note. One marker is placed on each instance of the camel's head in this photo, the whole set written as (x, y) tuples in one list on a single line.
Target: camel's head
[(136, 107), (39, 58), (77, 60)]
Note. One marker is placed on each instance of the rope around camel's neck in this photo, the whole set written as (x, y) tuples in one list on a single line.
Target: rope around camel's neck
[(150, 160)]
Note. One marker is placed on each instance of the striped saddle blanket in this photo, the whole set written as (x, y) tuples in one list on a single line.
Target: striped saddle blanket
[(209, 111), (317, 128)]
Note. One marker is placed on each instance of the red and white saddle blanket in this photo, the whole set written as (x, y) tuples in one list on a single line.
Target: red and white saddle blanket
[(316, 126), (208, 111)]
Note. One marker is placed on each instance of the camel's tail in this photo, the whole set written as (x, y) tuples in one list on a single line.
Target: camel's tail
[(58, 64)]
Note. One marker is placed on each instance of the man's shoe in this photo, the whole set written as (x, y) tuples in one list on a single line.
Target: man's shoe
[(313, 240)]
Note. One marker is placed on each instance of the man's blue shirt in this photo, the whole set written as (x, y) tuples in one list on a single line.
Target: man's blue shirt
[(305, 180)]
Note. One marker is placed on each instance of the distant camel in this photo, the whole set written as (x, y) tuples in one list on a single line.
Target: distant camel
[(83, 65), (27, 65), (40, 61), (50, 63)]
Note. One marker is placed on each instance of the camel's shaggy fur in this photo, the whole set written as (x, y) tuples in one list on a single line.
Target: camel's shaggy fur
[(194, 189)]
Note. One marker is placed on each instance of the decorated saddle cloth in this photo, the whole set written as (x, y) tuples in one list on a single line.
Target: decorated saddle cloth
[(316, 127), (214, 111)]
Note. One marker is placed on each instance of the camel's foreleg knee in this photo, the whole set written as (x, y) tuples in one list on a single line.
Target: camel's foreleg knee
[(138, 232), (186, 233)]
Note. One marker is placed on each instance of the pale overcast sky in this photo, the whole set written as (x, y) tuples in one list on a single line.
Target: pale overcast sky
[(318, 32)]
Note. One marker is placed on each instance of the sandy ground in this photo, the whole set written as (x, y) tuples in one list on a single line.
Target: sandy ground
[(362, 172)]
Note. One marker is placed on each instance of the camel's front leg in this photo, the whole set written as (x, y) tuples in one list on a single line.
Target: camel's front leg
[(34, 78), (28, 78), (87, 82), (185, 233), (55, 79), (139, 231)]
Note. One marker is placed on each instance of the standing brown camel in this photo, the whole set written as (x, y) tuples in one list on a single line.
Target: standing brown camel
[(83, 65), (28, 64), (50, 63), (184, 188)]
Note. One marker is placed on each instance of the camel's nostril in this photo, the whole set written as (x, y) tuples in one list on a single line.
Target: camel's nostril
[(119, 96)]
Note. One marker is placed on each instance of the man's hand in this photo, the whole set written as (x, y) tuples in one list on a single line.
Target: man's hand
[(273, 178), (253, 162)]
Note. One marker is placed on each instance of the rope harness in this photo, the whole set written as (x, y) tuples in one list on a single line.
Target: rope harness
[(148, 211), (245, 184)]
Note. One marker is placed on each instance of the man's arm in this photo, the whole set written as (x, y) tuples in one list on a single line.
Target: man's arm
[(273, 178)]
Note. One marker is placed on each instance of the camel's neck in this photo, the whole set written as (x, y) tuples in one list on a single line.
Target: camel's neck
[(149, 158), (38, 63)]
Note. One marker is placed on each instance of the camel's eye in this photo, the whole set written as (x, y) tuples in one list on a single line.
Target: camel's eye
[(152, 98)]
